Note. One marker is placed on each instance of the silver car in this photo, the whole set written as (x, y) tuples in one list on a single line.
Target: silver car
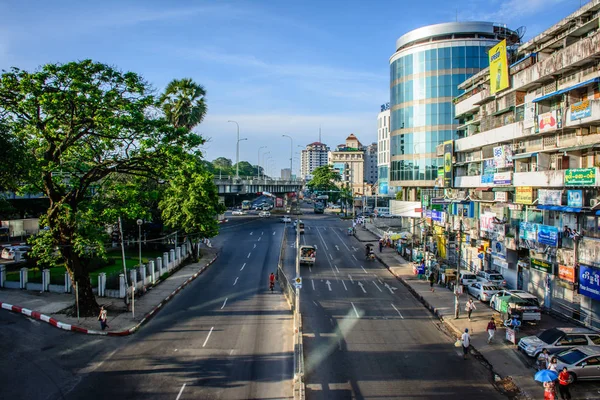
[(482, 291), (558, 339), (583, 362)]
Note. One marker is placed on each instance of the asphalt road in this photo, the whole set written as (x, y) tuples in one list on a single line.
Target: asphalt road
[(366, 336), (226, 336)]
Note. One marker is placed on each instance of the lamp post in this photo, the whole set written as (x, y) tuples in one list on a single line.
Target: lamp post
[(264, 166), (291, 150), (258, 161), (237, 150), (139, 223)]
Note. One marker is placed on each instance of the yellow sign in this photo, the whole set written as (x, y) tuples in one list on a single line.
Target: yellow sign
[(524, 195), (498, 67)]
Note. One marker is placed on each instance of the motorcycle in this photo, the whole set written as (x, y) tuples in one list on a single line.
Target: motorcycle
[(371, 257)]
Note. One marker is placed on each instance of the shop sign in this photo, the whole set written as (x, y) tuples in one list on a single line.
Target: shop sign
[(575, 198), (489, 167), (580, 177), (448, 154), (503, 178), (278, 202), (436, 215), (550, 197), (589, 282), (501, 197), (486, 222), (487, 178), (589, 252), (581, 110), (541, 265), (528, 231), (503, 156), (524, 195), (548, 121), (566, 273), (565, 256), (548, 235)]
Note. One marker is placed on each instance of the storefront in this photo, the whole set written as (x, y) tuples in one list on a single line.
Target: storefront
[(589, 280)]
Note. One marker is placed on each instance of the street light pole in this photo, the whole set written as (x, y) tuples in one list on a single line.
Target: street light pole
[(456, 293), (258, 161), (291, 151), (139, 223), (237, 151), (264, 166)]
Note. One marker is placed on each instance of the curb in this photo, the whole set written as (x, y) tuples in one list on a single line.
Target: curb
[(74, 328)]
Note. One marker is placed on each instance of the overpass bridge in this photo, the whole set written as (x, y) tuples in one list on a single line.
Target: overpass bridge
[(232, 186)]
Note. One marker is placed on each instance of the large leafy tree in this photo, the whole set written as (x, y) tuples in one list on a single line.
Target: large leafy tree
[(183, 103), (324, 179), (83, 124)]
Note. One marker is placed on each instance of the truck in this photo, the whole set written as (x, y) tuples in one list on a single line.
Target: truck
[(308, 255), (319, 207)]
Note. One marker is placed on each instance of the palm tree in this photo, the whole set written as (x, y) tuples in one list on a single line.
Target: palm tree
[(183, 103)]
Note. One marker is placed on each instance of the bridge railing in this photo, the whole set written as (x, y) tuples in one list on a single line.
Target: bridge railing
[(231, 178)]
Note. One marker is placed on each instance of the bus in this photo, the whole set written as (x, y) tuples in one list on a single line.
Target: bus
[(246, 204)]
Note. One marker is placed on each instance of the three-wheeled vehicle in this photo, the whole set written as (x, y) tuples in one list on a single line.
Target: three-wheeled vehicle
[(308, 255)]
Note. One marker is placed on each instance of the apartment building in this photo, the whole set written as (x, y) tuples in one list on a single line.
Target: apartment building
[(348, 159), (370, 164), (525, 170), (312, 157), (383, 149)]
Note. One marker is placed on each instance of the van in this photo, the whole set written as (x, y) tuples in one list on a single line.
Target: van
[(491, 276), (466, 278)]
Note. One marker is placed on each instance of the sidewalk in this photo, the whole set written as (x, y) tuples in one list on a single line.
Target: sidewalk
[(49, 307), (504, 361)]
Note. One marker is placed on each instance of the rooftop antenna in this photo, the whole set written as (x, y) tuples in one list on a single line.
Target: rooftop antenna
[(319, 133)]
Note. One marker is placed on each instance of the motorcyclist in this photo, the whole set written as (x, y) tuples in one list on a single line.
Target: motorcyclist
[(271, 281)]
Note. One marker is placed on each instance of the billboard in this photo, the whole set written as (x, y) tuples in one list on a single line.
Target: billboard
[(498, 67), (448, 153)]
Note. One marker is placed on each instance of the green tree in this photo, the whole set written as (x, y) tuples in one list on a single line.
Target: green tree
[(84, 123), (324, 179), (245, 168), (191, 201), (399, 195), (183, 103)]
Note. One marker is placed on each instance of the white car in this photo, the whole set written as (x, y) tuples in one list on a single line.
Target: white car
[(264, 214), (582, 362), (238, 212), (482, 291), (296, 221), (8, 253), (285, 219), (492, 277)]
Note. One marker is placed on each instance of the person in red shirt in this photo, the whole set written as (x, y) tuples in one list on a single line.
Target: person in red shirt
[(564, 379), (271, 281)]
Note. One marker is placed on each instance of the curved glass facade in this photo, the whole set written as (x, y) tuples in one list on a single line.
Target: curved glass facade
[(423, 83)]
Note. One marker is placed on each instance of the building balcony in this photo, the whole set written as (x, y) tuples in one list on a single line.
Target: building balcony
[(469, 182), (582, 113), (539, 178), (504, 133), (468, 106)]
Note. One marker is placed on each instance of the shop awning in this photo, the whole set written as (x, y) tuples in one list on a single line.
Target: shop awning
[(582, 147), (559, 92), (483, 188), (559, 208), (523, 155), (502, 189)]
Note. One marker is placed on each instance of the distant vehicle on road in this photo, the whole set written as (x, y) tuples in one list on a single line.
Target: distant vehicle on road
[(482, 291), (264, 214), (300, 227), (238, 212), (559, 339), (523, 302), (285, 219), (491, 276), (319, 207), (10, 252), (246, 204), (308, 255)]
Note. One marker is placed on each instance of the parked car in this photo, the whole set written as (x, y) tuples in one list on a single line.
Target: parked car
[(482, 291), (491, 276), (559, 339), (285, 219), (9, 252), (525, 303), (466, 278), (264, 214), (583, 362), (238, 212)]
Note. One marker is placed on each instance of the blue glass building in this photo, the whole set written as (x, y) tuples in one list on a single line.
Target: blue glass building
[(425, 71)]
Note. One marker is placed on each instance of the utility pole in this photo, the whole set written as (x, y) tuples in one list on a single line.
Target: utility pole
[(456, 294)]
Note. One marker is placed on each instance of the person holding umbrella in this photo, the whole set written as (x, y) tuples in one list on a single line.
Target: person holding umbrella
[(547, 376)]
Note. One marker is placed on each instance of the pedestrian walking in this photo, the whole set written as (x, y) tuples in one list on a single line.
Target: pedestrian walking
[(553, 365), (103, 318), (491, 328), (549, 390), (542, 360), (431, 281), (564, 380), (466, 341), (380, 245), (469, 307)]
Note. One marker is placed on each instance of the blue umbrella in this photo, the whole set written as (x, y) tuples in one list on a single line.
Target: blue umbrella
[(546, 375)]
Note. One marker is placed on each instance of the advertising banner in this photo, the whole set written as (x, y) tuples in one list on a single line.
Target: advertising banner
[(489, 167), (487, 179), (589, 252), (548, 235), (575, 198), (589, 282), (503, 156), (501, 197), (486, 222), (548, 121), (566, 273), (524, 195), (498, 67), (541, 266), (448, 153), (550, 197), (278, 202), (580, 177), (528, 231), (503, 178), (383, 188), (581, 110)]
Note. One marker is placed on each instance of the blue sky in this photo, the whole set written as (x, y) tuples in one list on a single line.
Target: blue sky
[(276, 67)]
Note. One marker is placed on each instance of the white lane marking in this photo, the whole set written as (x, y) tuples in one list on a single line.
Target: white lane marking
[(344, 285), (377, 286), (336, 268), (354, 248), (258, 240), (336, 247), (262, 233), (313, 284), (225, 302), (241, 269), (236, 279), (273, 233), (328, 285), (357, 316), (316, 248), (390, 288), (315, 303), (330, 256), (231, 352), (249, 255), (344, 243), (350, 276), (362, 287), (251, 233), (363, 268), (322, 240), (354, 257), (255, 244), (310, 268), (211, 329), (397, 311), (180, 391), (308, 228)]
